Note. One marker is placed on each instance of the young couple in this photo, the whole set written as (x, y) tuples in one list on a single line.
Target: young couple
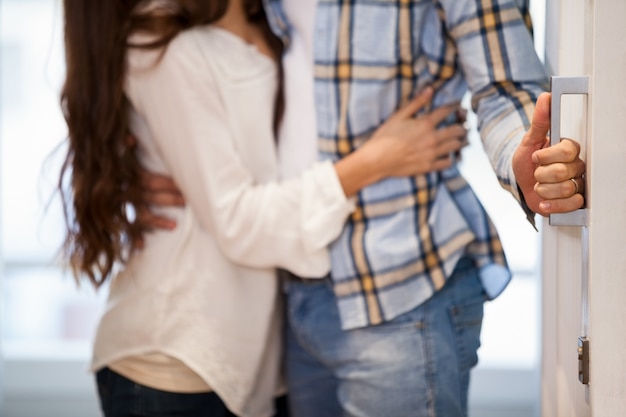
[(385, 254)]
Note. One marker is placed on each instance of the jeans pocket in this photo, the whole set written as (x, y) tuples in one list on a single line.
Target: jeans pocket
[(410, 321), (467, 321)]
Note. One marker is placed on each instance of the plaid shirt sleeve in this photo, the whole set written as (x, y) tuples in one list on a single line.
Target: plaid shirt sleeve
[(495, 51)]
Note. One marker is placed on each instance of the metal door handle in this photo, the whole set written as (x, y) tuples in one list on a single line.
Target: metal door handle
[(559, 87)]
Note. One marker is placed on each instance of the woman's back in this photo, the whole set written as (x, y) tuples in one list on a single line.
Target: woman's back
[(200, 110)]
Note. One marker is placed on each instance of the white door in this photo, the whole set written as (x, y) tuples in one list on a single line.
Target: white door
[(584, 268)]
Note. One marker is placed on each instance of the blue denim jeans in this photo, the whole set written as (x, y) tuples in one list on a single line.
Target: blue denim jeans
[(121, 397), (416, 365)]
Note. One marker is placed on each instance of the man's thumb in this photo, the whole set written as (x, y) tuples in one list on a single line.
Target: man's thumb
[(540, 124)]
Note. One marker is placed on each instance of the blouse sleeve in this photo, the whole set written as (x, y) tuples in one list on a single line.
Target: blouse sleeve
[(277, 224)]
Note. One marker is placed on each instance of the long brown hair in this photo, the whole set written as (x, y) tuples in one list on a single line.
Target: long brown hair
[(101, 170)]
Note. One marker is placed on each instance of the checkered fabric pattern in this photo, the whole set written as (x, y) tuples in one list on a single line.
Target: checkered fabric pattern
[(371, 56)]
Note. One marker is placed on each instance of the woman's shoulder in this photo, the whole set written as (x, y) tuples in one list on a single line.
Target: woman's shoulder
[(203, 48), (233, 57)]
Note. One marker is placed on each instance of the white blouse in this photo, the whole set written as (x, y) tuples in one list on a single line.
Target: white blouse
[(206, 293)]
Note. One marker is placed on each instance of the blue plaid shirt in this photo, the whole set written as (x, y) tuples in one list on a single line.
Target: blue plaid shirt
[(404, 239)]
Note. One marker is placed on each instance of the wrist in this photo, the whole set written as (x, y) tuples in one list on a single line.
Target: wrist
[(358, 170)]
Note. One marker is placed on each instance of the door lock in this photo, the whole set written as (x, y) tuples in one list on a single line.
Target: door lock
[(583, 360)]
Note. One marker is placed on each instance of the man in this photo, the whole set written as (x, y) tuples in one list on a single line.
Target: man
[(393, 330)]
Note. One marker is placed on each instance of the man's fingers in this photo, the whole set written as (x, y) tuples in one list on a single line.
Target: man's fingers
[(560, 190), (139, 243), (559, 172), (163, 198), (149, 220), (131, 141), (540, 124), (156, 182), (565, 151), (563, 205), (414, 105)]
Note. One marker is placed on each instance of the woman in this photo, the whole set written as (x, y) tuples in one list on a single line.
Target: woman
[(192, 325)]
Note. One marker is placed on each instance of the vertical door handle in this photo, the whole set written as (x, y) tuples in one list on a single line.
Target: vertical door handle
[(561, 86), (579, 218)]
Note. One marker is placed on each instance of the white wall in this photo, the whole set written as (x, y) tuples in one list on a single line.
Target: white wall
[(2, 371)]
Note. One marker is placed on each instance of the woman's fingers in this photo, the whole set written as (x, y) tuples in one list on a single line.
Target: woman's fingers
[(442, 113), (452, 131), (414, 105)]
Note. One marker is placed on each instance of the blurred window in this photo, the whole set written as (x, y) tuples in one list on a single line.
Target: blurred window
[(40, 303)]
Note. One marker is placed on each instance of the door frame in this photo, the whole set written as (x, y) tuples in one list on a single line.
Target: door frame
[(586, 38)]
